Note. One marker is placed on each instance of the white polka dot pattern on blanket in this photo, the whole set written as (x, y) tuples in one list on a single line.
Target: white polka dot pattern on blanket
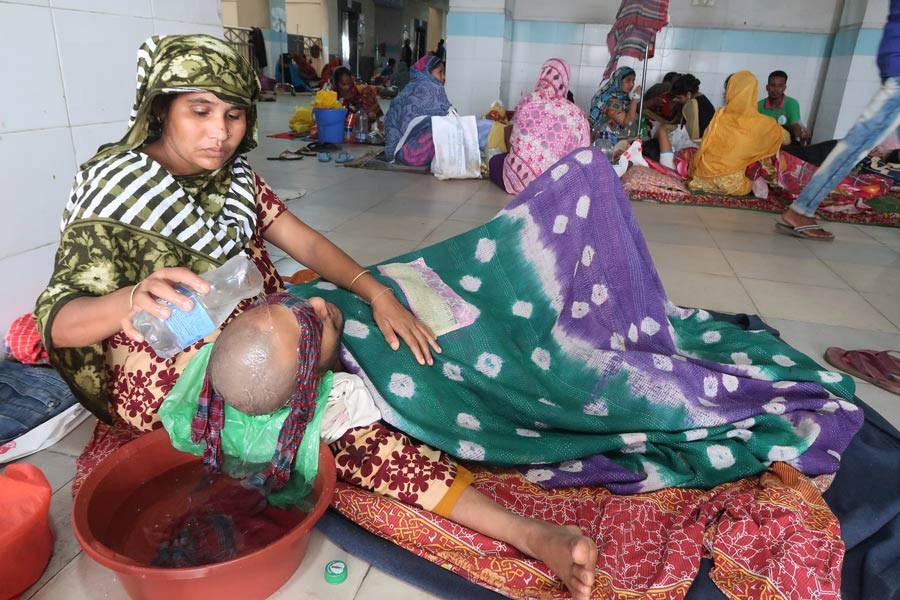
[(599, 294), (470, 284), (784, 361), (541, 358), (711, 337), (584, 157), (693, 435), (527, 433), (598, 408), (583, 206), (467, 421), (402, 385), (783, 385), (560, 224), (522, 309), (547, 402), (710, 386), (740, 358), (558, 171), (485, 250), (782, 453), (571, 466), (356, 329), (538, 475), (453, 372), (326, 285), (663, 363), (579, 309), (489, 364), (633, 333), (830, 377), (730, 382), (649, 326), (616, 341), (587, 256), (470, 451), (720, 457)]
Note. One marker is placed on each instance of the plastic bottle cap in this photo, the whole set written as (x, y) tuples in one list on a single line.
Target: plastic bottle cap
[(336, 572)]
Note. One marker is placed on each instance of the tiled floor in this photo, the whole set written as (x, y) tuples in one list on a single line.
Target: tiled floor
[(846, 293)]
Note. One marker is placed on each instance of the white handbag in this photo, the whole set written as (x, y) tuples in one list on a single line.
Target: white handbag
[(456, 151)]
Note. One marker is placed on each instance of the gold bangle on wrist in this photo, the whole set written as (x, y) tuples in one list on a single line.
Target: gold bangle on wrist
[(361, 273), (131, 295), (379, 294)]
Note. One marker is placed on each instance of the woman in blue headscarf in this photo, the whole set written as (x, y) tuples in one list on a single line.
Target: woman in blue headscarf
[(612, 106), (407, 125)]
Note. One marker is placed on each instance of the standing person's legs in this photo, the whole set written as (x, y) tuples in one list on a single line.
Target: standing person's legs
[(879, 118)]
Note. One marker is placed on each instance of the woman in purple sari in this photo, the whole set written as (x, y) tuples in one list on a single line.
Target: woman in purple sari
[(407, 124)]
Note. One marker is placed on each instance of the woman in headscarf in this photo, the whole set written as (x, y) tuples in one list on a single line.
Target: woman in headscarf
[(545, 128), (328, 70), (736, 137), (353, 96), (173, 198), (612, 106), (407, 125)]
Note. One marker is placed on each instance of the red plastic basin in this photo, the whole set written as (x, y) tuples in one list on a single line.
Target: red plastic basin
[(257, 574)]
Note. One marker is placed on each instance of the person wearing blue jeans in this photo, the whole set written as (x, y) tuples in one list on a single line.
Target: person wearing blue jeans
[(880, 117)]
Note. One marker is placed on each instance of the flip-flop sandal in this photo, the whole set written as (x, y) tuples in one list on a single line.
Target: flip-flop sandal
[(865, 365), (343, 157), (320, 147), (324, 157), (305, 152), (286, 155), (803, 232)]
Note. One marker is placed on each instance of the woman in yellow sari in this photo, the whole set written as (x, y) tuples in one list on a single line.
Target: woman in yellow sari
[(736, 137)]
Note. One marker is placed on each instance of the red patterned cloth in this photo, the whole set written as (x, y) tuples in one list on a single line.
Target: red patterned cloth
[(23, 342), (635, 30), (769, 537)]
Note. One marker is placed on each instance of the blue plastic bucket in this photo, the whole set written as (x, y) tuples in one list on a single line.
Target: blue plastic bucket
[(330, 122)]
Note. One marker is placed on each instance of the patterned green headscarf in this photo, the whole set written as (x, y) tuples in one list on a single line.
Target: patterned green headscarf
[(127, 216), (187, 63)]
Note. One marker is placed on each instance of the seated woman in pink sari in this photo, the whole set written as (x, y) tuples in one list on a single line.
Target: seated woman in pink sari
[(546, 127)]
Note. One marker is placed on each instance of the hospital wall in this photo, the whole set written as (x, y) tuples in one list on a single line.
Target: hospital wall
[(827, 47), (68, 86)]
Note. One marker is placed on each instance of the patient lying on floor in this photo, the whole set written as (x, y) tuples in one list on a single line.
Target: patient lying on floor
[(274, 356)]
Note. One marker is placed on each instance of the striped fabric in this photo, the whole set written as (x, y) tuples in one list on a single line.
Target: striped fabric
[(635, 30)]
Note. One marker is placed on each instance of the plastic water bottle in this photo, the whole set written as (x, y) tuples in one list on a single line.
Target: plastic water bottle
[(361, 130), (234, 281), (605, 145)]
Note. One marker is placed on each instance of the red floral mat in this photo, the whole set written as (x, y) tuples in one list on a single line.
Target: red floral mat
[(769, 537), (885, 209)]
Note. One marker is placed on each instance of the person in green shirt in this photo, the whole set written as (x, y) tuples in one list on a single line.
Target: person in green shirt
[(782, 108)]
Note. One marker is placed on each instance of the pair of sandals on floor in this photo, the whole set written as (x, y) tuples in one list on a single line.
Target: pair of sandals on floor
[(878, 368), (317, 149)]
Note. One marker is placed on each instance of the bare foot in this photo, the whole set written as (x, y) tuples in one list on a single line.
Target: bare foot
[(568, 553), (795, 219)]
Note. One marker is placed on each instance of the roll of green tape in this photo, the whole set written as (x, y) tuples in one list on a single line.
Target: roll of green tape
[(336, 572)]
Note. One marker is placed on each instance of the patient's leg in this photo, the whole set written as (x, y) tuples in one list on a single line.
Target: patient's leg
[(388, 462)]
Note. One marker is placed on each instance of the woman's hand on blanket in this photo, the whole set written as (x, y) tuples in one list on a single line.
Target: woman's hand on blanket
[(161, 285), (394, 319)]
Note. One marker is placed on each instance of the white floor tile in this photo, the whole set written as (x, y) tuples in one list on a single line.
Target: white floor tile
[(83, 579), (378, 585), (677, 233), (889, 306), (475, 213), (790, 269), (729, 219), (828, 306), (65, 546), (651, 212), (411, 228), (702, 290), (866, 278), (58, 468), (695, 259), (77, 439), (446, 230), (853, 251), (308, 583), (769, 243)]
